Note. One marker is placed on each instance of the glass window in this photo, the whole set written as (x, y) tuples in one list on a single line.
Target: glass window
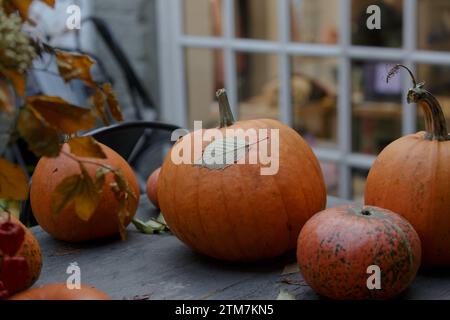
[(330, 172), (256, 19), (433, 26), (314, 95), (204, 76), (391, 16), (258, 85), (359, 177), (437, 81), (376, 106), (314, 21), (203, 17)]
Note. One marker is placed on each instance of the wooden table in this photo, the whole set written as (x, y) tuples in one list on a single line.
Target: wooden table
[(161, 267)]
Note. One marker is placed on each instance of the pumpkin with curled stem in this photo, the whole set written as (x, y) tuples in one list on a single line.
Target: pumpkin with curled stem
[(59, 291), (411, 176), (231, 210), (340, 248)]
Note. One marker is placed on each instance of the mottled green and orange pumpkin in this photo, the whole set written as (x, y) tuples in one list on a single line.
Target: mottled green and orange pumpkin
[(411, 176), (234, 212), (337, 246)]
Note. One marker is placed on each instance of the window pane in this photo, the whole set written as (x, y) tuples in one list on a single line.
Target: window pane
[(330, 172), (433, 29), (258, 85), (314, 90), (204, 75), (315, 21), (437, 81), (203, 17), (376, 106), (256, 19), (359, 177), (391, 17)]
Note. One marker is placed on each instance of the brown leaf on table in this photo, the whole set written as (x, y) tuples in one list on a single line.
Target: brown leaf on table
[(13, 181), (75, 66), (62, 115), (87, 198), (7, 103), (42, 139), (17, 79), (99, 104), (113, 103), (86, 147)]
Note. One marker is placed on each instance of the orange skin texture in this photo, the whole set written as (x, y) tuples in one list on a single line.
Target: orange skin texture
[(411, 176), (31, 251), (152, 187), (59, 291), (336, 246), (66, 225), (237, 214)]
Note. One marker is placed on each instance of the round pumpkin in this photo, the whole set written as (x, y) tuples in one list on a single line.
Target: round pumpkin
[(59, 291), (20, 268), (234, 210), (66, 225), (152, 187), (411, 176), (338, 247)]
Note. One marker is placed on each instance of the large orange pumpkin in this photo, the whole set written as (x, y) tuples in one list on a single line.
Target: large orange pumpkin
[(230, 211), (20, 270), (338, 247), (411, 176), (59, 291), (66, 225)]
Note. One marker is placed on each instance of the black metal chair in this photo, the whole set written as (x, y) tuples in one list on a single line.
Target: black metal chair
[(142, 143)]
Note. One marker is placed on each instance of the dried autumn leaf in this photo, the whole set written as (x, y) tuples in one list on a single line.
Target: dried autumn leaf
[(99, 104), (6, 98), (42, 140), (17, 79), (86, 147), (22, 6), (113, 103), (62, 115), (75, 66), (65, 193), (50, 3), (87, 198), (100, 174), (123, 215), (13, 181)]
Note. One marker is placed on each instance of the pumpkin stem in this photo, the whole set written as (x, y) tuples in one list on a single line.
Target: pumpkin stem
[(226, 116), (435, 124)]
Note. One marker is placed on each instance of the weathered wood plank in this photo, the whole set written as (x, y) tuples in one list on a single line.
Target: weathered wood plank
[(161, 267)]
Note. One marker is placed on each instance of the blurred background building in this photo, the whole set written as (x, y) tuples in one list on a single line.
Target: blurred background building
[(312, 64)]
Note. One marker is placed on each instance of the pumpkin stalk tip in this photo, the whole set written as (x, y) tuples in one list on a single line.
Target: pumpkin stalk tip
[(226, 116)]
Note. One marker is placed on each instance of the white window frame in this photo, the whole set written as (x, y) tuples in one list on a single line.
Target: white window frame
[(172, 43)]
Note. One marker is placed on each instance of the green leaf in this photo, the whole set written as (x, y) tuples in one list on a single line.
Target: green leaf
[(149, 227)]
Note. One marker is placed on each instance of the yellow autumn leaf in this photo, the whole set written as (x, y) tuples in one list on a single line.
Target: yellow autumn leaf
[(86, 147), (61, 115), (113, 103), (75, 66), (50, 3), (13, 181), (65, 193), (17, 80), (7, 102), (42, 140), (99, 104), (87, 198)]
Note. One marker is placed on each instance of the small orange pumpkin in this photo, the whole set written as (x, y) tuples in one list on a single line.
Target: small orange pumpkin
[(21, 269), (411, 176), (59, 291), (66, 225), (233, 212), (152, 187), (338, 245)]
